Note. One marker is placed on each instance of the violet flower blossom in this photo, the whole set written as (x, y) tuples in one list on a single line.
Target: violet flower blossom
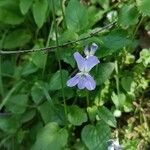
[(114, 145), (83, 79)]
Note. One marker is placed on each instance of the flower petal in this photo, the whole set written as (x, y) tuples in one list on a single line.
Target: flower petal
[(87, 51), (91, 61), (90, 83), (94, 47), (80, 61), (73, 81), (81, 83)]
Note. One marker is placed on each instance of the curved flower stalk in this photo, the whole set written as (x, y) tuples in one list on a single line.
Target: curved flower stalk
[(83, 79)]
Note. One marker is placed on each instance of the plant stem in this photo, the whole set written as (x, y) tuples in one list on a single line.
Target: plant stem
[(58, 57), (137, 27), (51, 48), (117, 78), (87, 98), (63, 13), (47, 45), (1, 81)]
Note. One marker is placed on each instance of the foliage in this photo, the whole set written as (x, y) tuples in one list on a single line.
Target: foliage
[(37, 109)]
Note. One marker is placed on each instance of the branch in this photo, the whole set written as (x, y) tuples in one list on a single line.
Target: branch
[(2, 52)]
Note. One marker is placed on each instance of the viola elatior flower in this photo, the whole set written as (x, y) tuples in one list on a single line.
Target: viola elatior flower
[(83, 79), (114, 145), (90, 51)]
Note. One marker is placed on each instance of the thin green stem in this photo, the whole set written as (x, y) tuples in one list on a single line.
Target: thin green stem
[(58, 57), (87, 98), (5, 140), (1, 81), (9, 94), (63, 13), (137, 27), (117, 77), (52, 48), (47, 45)]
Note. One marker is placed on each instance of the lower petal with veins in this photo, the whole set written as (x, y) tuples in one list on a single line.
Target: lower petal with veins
[(81, 83), (90, 83), (73, 81)]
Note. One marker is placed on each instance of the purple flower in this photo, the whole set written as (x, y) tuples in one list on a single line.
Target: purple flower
[(114, 145), (83, 79), (90, 51)]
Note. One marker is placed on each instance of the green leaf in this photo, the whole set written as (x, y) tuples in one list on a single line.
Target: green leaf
[(16, 38), (46, 112), (126, 83), (107, 116), (28, 68), (118, 100), (144, 6), (67, 57), (39, 11), (96, 137), (128, 15), (52, 113), (104, 4), (51, 137), (39, 58), (92, 112), (37, 93), (17, 103), (76, 115), (28, 115), (76, 16), (113, 42), (9, 124), (10, 12), (25, 5), (55, 82), (103, 73)]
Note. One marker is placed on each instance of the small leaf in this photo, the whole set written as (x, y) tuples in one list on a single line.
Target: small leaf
[(144, 6), (104, 4), (76, 115), (55, 82), (37, 93), (39, 11), (96, 137), (113, 42), (17, 103), (107, 116), (128, 15), (25, 5), (52, 113), (51, 137), (28, 68), (103, 73), (39, 58), (126, 83), (10, 13), (16, 38), (9, 124), (28, 116), (46, 112), (92, 112), (118, 100), (76, 16), (67, 57)]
